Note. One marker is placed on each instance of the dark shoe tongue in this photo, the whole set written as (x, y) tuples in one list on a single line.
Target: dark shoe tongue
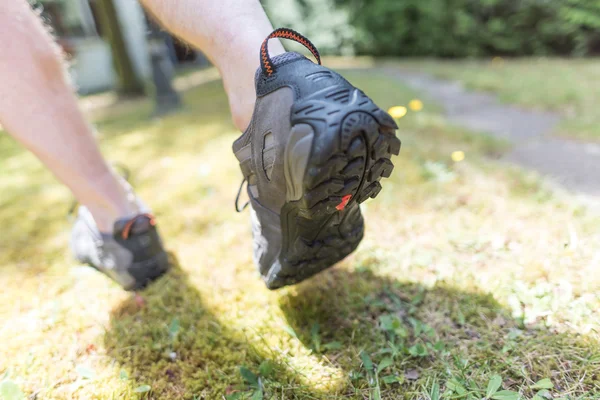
[(289, 56), (280, 59)]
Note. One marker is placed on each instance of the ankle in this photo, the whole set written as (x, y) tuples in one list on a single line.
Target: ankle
[(242, 108), (103, 217), (240, 87), (111, 199)]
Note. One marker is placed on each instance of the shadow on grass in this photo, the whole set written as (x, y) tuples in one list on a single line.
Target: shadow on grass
[(193, 355)]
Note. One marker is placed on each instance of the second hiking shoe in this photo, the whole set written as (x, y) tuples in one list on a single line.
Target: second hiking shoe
[(315, 149), (133, 255)]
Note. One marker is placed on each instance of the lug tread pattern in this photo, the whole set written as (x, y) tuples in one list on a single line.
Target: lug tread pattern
[(335, 241), (350, 155)]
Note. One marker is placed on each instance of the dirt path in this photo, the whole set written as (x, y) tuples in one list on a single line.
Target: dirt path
[(573, 164)]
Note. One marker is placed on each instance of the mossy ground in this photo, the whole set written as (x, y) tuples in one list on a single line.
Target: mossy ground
[(468, 270)]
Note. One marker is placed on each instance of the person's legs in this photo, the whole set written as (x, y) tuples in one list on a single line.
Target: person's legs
[(314, 147), (230, 33), (39, 109)]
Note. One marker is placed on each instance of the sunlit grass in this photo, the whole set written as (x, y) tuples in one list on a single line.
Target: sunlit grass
[(481, 260)]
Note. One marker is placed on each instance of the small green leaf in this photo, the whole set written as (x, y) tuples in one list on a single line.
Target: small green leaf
[(174, 328), (85, 372), (429, 331), (316, 338), (266, 368), (456, 387), (289, 330), (389, 379), (234, 396), (142, 389), (386, 322), (543, 384), (123, 375), (418, 299), (377, 392), (9, 390), (435, 391), (367, 363), (506, 395), (507, 347), (332, 346), (417, 326), (401, 331), (249, 376), (418, 350), (472, 385), (493, 385), (392, 324), (386, 362), (257, 395)]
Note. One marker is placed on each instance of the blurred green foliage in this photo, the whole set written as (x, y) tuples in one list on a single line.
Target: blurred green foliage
[(446, 28), (326, 23)]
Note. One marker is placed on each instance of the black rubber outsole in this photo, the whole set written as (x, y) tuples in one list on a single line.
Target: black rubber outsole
[(148, 271), (351, 152)]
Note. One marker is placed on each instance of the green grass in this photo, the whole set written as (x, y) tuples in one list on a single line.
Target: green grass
[(471, 275), (565, 86)]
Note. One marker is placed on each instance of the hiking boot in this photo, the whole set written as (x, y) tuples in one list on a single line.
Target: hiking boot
[(315, 149), (132, 255)]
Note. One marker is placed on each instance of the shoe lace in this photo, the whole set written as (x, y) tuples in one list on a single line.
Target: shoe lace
[(237, 198), (266, 64)]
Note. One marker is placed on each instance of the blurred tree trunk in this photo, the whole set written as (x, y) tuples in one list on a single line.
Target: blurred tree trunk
[(129, 84)]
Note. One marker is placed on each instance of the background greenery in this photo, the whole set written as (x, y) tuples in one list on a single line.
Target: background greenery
[(446, 28)]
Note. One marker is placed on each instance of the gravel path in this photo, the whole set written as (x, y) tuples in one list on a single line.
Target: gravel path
[(573, 164)]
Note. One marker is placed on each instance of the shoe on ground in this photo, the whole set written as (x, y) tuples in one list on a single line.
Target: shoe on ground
[(315, 149), (133, 255)]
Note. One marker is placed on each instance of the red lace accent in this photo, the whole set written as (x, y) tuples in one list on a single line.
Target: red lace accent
[(129, 224), (285, 33)]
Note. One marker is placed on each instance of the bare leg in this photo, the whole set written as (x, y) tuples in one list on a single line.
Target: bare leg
[(39, 109), (230, 32)]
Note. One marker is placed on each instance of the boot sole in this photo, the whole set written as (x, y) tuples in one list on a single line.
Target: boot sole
[(146, 272), (339, 149)]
